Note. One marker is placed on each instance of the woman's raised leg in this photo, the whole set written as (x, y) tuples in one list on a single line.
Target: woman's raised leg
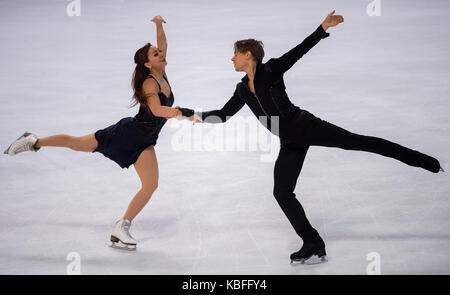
[(86, 143)]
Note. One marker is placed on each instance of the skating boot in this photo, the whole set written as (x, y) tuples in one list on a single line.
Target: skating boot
[(24, 143), (310, 253), (121, 234)]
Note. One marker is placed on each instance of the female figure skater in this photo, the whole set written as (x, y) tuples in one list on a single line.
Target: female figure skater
[(132, 139), (263, 90)]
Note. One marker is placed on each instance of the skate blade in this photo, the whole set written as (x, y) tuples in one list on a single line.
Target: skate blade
[(311, 260), (118, 244), (123, 246)]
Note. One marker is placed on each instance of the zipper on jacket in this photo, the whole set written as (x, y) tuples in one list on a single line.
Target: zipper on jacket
[(254, 94), (262, 107)]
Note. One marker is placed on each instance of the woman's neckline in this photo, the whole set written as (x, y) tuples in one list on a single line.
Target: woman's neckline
[(159, 85)]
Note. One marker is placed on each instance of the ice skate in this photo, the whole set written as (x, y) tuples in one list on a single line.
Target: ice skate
[(24, 143), (310, 253), (121, 238)]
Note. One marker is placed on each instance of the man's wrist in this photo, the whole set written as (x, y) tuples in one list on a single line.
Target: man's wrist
[(186, 112), (324, 27)]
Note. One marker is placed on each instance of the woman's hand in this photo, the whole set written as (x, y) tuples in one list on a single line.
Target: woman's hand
[(160, 35), (194, 118), (179, 114), (332, 20), (174, 113), (158, 20)]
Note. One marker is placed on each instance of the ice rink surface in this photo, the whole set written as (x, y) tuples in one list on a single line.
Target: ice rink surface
[(214, 213)]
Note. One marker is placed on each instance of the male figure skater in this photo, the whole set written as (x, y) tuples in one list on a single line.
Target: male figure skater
[(263, 90)]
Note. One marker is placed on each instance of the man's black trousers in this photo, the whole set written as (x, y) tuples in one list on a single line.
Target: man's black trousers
[(322, 133)]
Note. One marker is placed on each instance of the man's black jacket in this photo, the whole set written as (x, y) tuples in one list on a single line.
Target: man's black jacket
[(271, 98)]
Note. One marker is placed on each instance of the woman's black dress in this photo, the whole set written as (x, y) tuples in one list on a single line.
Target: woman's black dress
[(124, 141)]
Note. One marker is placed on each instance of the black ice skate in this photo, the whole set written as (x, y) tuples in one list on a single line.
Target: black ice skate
[(310, 253)]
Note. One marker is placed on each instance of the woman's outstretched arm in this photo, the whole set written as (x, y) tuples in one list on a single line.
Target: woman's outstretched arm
[(160, 34)]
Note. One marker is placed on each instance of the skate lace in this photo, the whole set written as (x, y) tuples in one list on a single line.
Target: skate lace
[(126, 228), (26, 146)]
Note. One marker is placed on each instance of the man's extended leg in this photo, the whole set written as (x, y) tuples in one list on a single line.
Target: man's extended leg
[(323, 133)]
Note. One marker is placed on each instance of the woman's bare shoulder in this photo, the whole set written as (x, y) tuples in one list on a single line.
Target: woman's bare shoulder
[(150, 85)]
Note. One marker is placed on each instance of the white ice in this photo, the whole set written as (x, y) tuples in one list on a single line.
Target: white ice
[(214, 213)]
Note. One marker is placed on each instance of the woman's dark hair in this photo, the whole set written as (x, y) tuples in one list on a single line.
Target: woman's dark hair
[(140, 74), (252, 45)]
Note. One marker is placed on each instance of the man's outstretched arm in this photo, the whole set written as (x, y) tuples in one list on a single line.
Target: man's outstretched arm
[(233, 105), (286, 61)]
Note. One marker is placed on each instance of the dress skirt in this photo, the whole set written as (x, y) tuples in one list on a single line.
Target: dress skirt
[(123, 142)]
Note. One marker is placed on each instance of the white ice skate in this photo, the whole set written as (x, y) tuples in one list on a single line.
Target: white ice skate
[(24, 143), (121, 234)]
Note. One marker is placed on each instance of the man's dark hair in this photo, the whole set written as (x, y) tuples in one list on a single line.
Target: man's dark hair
[(252, 45)]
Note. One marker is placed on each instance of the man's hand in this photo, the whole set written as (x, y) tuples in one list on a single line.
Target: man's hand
[(195, 118), (158, 20), (332, 20)]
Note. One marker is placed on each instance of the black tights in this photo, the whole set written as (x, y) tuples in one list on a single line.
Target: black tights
[(321, 133)]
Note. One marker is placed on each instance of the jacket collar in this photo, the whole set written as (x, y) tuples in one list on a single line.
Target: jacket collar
[(259, 66)]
